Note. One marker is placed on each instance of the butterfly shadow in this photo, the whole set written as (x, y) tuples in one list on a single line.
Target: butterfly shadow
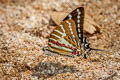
[(50, 69)]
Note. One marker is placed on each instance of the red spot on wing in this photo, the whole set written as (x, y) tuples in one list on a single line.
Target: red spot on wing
[(63, 45), (74, 49), (54, 42), (75, 52), (58, 43), (68, 46)]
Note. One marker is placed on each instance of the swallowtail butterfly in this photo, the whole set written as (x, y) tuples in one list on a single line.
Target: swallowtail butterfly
[(67, 38)]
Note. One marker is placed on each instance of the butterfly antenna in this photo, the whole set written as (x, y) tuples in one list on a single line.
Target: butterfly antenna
[(98, 49)]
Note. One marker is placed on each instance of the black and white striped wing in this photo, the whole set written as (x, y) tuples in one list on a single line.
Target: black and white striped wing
[(78, 16)]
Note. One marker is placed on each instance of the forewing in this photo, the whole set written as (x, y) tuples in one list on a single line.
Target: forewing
[(78, 16)]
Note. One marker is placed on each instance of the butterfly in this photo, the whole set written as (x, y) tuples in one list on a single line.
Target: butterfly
[(67, 39)]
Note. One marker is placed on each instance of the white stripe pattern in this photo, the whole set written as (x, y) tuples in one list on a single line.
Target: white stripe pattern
[(79, 13), (70, 16), (64, 34), (78, 17), (52, 39), (70, 27), (62, 28), (78, 25), (78, 30), (80, 35), (56, 35), (78, 22)]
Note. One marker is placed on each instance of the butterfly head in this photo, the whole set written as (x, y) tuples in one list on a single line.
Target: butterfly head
[(85, 49)]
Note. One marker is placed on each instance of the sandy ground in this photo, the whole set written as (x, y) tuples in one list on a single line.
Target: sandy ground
[(24, 30)]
